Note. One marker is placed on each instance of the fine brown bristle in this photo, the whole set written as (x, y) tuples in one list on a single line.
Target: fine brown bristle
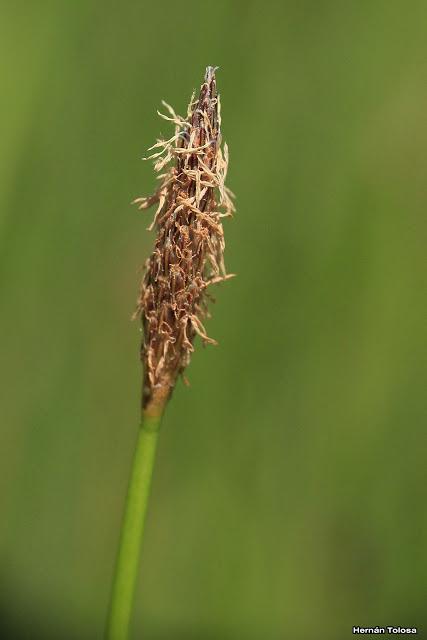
[(188, 254)]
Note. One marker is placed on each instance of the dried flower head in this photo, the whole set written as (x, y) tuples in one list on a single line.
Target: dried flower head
[(188, 254)]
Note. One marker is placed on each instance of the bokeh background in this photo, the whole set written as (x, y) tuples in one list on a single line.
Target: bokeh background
[(289, 490)]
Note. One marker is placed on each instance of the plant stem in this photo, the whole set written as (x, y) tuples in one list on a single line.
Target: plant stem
[(133, 526)]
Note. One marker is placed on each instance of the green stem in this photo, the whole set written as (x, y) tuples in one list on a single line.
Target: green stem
[(133, 528)]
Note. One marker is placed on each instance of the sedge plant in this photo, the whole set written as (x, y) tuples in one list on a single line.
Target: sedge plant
[(188, 257)]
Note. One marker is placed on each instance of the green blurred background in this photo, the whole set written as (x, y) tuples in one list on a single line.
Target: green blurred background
[(289, 489)]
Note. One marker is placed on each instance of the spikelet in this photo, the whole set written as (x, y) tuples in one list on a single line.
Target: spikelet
[(188, 255)]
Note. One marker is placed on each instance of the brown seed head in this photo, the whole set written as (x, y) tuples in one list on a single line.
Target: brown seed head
[(188, 254)]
